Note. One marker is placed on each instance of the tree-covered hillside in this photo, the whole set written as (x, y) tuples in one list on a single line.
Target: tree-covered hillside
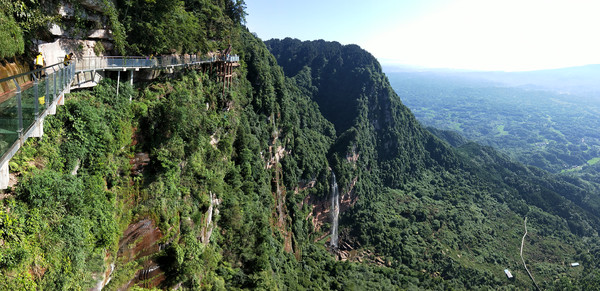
[(135, 27), (181, 182), (448, 212)]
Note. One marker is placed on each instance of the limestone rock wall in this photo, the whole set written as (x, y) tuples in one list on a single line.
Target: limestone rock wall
[(81, 31)]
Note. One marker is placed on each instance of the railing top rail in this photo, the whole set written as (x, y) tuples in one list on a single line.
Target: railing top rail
[(29, 72), (157, 57), (118, 57), (195, 58), (143, 57)]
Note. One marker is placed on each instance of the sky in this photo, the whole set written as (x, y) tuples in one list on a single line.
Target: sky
[(489, 35)]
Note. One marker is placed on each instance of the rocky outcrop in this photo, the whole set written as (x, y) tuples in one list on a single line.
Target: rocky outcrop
[(95, 5), (69, 37), (55, 51), (349, 253), (303, 185), (321, 206), (139, 242), (209, 226), (352, 156), (139, 162), (12, 68)]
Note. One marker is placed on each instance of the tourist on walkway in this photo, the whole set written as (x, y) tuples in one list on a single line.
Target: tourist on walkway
[(67, 60), (39, 63)]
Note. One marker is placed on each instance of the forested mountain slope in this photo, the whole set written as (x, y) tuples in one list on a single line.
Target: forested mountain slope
[(354, 94), (447, 211), (195, 186)]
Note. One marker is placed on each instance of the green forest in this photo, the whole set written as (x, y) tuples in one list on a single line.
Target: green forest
[(553, 131), (234, 185)]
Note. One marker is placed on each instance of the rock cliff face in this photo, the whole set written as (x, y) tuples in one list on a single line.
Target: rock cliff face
[(82, 31), (11, 68), (230, 189), (321, 207), (139, 243)]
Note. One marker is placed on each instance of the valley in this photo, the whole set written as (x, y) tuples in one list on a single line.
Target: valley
[(306, 167), (556, 132)]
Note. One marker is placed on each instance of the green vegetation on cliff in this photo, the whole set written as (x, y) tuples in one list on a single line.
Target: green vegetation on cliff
[(235, 182), (136, 27), (11, 36), (170, 26), (453, 213), (63, 216)]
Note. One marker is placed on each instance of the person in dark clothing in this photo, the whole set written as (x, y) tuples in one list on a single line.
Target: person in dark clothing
[(67, 59)]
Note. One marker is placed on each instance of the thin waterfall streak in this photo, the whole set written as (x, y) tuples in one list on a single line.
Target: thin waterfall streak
[(335, 211)]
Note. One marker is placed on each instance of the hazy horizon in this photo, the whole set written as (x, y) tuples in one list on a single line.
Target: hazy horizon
[(481, 35)]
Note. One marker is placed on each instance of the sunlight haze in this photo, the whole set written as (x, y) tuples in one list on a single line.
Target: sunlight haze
[(509, 35)]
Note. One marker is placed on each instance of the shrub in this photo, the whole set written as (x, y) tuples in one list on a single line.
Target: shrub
[(11, 36)]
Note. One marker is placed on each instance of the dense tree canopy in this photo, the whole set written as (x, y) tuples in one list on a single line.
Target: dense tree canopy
[(237, 180)]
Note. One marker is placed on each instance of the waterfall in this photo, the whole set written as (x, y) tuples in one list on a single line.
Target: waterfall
[(335, 210)]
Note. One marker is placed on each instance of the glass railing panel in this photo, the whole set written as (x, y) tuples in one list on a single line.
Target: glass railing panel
[(9, 121), (28, 104)]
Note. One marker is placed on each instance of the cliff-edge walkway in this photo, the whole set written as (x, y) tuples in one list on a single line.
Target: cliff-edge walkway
[(27, 98)]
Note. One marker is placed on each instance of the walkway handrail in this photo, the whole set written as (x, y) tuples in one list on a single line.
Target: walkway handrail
[(24, 104), (29, 72), (92, 63)]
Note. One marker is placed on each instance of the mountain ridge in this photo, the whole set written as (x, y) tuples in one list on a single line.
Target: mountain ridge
[(577, 80), (182, 182), (480, 173)]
